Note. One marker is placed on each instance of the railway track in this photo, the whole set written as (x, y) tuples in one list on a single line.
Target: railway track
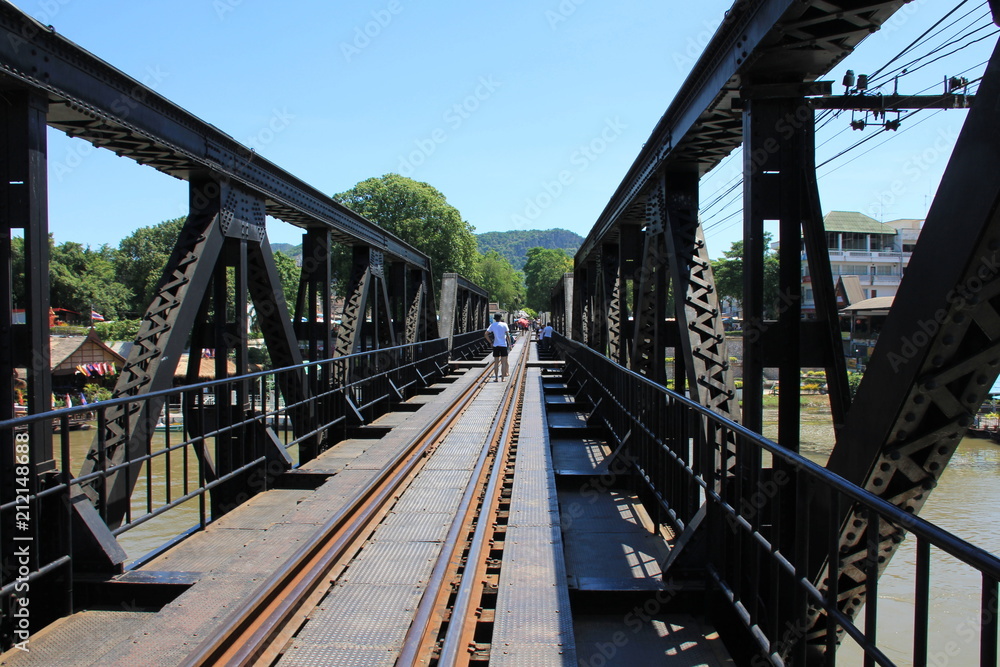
[(446, 628)]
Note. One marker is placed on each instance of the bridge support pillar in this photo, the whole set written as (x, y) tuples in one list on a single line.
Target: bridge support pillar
[(24, 206), (649, 345), (464, 314), (366, 323)]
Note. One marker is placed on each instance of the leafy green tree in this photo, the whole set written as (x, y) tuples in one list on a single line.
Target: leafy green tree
[(420, 215), (288, 272), (141, 258), (81, 279), (17, 262), (95, 392), (728, 272), (542, 270), (118, 330), (501, 281)]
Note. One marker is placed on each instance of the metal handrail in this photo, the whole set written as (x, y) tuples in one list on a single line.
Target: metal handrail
[(711, 457), (376, 378)]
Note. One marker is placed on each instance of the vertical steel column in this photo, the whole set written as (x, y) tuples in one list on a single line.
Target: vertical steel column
[(24, 206), (595, 319), (413, 306), (449, 305), (609, 306), (350, 337), (701, 339), (275, 324), (629, 249), (649, 347), (581, 277), (313, 317), (936, 358), (382, 305), (773, 152)]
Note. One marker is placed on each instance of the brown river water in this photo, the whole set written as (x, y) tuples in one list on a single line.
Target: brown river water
[(965, 502)]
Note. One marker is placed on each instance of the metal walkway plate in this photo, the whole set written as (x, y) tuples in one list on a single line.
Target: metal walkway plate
[(533, 623)]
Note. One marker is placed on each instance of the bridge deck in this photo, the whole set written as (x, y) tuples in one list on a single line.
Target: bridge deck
[(577, 551)]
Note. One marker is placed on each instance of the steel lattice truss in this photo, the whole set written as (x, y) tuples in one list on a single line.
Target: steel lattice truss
[(936, 361), (232, 190)]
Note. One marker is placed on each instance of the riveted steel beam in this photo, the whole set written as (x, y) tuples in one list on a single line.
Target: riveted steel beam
[(349, 336), (613, 298), (649, 344), (161, 340), (464, 306), (936, 358), (313, 313), (265, 289), (92, 100), (696, 303), (24, 206)]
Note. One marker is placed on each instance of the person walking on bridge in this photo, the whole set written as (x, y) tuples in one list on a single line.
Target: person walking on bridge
[(499, 335), (546, 336)]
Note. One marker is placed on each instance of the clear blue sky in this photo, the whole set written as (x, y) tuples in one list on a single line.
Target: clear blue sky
[(486, 102)]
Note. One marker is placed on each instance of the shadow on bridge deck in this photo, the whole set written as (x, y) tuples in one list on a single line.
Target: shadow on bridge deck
[(577, 581)]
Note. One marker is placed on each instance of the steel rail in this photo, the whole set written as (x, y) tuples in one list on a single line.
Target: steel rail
[(459, 636), (248, 632), (419, 641)]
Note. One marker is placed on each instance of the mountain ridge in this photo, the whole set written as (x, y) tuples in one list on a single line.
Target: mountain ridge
[(514, 244)]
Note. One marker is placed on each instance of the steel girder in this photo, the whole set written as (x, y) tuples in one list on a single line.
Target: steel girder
[(366, 323), (612, 301), (649, 346), (562, 305), (313, 315), (464, 307), (419, 313), (585, 280), (222, 222), (781, 40), (150, 365), (90, 99), (937, 356), (24, 206), (780, 184), (696, 303), (268, 297)]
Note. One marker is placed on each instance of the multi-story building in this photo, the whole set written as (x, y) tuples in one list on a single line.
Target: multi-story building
[(876, 252)]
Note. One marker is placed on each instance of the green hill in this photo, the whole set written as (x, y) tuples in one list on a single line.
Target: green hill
[(514, 245), (294, 251)]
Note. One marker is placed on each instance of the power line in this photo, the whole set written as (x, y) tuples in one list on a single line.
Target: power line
[(912, 44)]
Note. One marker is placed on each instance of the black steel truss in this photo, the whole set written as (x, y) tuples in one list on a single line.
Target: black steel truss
[(94, 101), (936, 358), (464, 307)]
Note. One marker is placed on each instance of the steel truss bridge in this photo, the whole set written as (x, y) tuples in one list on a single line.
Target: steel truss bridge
[(781, 542)]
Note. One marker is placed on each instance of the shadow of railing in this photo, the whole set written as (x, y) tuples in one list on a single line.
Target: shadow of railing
[(761, 525)]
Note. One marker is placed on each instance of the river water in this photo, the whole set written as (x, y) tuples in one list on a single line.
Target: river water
[(963, 503)]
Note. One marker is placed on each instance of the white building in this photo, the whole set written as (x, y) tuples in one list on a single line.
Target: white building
[(876, 252)]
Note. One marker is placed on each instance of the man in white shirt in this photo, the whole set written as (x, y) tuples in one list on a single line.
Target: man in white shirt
[(501, 340), (546, 337)]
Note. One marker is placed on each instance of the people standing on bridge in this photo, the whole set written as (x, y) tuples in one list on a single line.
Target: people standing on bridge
[(546, 337), (499, 335)]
